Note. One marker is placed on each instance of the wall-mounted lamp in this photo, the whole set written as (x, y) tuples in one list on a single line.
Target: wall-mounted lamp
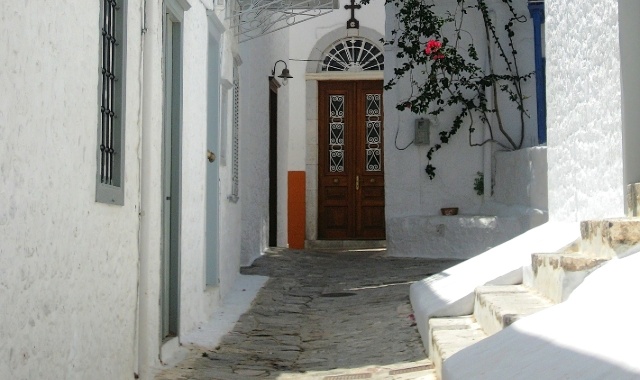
[(285, 76)]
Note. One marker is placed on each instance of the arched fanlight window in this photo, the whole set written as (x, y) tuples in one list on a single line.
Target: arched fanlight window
[(352, 54)]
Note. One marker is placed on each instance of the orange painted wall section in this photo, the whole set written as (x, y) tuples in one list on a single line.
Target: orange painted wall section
[(296, 206)]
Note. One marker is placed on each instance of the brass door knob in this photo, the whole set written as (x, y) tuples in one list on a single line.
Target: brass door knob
[(211, 156)]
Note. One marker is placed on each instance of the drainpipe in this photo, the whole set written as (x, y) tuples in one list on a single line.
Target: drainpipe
[(536, 10)]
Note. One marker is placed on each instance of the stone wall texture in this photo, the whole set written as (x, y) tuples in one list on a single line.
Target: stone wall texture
[(584, 110)]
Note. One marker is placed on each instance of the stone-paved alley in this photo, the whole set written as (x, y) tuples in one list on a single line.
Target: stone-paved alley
[(322, 315)]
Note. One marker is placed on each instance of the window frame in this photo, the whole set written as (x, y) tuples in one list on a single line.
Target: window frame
[(113, 192)]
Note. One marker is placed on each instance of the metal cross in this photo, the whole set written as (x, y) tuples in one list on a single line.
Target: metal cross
[(353, 23)]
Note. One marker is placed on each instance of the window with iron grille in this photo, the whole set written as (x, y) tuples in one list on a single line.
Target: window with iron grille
[(235, 138), (110, 173)]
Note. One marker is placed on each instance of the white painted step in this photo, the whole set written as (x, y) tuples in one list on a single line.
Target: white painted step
[(450, 335), (609, 238), (556, 275), (496, 307)]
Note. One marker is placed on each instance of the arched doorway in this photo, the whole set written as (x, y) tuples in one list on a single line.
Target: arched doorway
[(345, 199)]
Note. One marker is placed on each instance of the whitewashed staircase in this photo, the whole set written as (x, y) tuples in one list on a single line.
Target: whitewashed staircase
[(550, 280)]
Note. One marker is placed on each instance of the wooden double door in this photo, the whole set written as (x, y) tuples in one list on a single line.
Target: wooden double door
[(350, 160)]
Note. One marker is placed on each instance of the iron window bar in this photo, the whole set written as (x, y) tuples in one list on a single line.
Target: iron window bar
[(109, 78)]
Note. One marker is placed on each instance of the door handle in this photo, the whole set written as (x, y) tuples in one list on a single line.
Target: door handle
[(211, 156), (357, 182)]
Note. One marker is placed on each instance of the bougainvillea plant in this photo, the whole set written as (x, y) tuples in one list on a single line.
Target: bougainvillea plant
[(445, 72)]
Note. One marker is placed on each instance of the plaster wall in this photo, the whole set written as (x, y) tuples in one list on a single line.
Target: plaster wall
[(518, 203), (198, 300), (521, 178), (409, 191), (193, 296), (229, 210), (254, 143), (514, 181), (68, 265), (584, 110), (151, 193)]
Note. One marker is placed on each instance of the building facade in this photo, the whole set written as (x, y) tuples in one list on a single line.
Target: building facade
[(120, 221)]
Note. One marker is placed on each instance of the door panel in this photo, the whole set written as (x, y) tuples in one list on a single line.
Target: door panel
[(273, 162), (171, 176), (350, 162)]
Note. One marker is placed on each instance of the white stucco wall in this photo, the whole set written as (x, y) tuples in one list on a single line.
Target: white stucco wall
[(194, 166), (198, 300), (584, 110), (149, 339), (411, 195), (254, 141), (408, 189), (229, 211), (521, 178), (68, 265)]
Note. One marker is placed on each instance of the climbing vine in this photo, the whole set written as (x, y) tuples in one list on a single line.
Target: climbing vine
[(444, 72)]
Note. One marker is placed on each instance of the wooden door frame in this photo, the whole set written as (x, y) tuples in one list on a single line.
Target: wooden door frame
[(354, 196), (311, 162), (273, 161)]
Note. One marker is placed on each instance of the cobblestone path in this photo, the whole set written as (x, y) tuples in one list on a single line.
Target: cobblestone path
[(322, 315)]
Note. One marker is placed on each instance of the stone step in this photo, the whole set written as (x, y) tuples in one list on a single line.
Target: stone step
[(556, 275), (450, 335), (419, 370), (609, 238), (496, 307)]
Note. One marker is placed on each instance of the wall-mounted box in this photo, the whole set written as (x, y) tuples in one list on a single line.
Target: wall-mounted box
[(422, 127)]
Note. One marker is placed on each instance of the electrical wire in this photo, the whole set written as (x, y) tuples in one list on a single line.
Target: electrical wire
[(396, 140)]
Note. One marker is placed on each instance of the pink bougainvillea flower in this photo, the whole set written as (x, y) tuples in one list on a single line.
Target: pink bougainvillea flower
[(433, 49), (433, 46)]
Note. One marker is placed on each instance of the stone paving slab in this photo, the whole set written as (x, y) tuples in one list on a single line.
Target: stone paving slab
[(322, 315)]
